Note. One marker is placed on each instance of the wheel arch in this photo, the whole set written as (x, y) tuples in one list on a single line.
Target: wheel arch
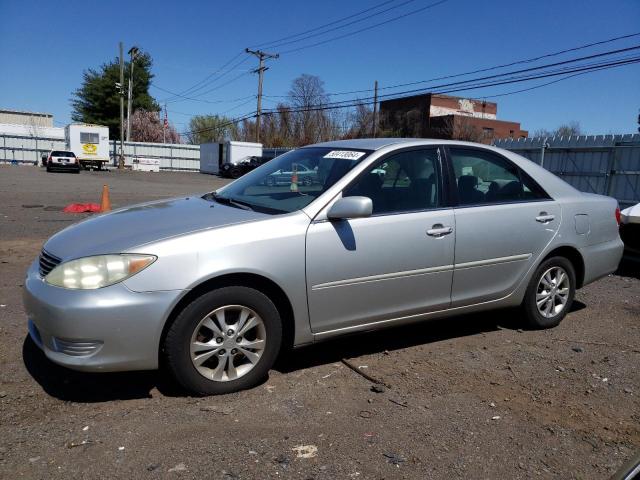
[(573, 255), (241, 279)]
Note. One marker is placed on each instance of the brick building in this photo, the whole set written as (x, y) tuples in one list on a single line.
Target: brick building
[(443, 116)]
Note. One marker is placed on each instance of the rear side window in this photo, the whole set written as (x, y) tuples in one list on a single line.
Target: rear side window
[(86, 137), (58, 153), (405, 182), (483, 177)]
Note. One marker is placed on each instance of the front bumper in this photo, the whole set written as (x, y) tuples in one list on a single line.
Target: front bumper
[(108, 329)]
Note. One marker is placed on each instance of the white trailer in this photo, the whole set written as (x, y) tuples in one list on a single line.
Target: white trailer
[(213, 155), (90, 143), (238, 151)]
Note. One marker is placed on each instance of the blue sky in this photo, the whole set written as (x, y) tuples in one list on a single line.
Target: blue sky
[(45, 46)]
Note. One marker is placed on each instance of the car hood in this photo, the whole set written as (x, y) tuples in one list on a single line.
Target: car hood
[(124, 229)]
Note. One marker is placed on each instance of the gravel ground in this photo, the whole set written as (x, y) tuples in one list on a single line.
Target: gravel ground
[(467, 397)]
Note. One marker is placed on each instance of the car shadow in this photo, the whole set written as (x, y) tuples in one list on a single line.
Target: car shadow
[(629, 267), (70, 385), (399, 337), (83, 387)]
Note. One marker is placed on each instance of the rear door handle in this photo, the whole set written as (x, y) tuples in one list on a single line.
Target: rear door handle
[(544, 217), (439, 230)]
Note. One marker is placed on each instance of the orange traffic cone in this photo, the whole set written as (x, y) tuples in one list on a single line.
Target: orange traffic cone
[(105, 204)]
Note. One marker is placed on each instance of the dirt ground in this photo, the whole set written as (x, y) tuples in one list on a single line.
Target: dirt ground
[(467, 397)]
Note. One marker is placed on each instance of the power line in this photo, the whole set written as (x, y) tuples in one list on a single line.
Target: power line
[(577, 70), (188, 90), (339, 37), (353, 22), (216, 78), (545, 84), (398, 95), (217, 87), (268, 44), (487, 69), (223, 125), (488, 77), (203, 100)]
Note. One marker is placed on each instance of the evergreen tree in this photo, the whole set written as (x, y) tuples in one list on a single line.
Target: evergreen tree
[(98, 101)]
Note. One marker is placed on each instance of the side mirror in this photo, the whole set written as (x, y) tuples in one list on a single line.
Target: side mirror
[(350, 207)]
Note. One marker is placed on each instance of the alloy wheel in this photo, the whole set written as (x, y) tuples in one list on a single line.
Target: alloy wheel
[(227, 343), (553, 291)]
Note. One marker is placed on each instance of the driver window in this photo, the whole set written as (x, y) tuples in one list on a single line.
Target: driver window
[(405, 182)]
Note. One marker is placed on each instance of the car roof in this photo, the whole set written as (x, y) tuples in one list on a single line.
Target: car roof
[(378, 143), (364, 143)]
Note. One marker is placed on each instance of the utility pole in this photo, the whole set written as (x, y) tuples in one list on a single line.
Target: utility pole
[(260, 71), (165, 123), (120, 87), (133, 52), (375, 109)]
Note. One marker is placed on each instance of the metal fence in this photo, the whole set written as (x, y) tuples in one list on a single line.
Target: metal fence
[(172, 156), (604, 164), (26, 148)]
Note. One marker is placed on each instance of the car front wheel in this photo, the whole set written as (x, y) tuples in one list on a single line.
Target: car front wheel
[(550, 293), (224, 341)]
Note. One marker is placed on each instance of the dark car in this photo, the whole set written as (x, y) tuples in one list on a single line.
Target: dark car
[(236, 170)]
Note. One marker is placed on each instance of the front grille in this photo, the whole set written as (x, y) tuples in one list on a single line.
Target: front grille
[(76, 348), (47, 263)]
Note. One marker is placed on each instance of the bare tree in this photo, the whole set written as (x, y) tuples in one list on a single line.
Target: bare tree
[(359, 122), (565, 130), (464, 130), (311, 123)]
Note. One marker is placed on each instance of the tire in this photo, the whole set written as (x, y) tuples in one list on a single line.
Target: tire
[(235, 173), (307, 181), (551, 312), (48, 168), (271, 182), (188, 327)]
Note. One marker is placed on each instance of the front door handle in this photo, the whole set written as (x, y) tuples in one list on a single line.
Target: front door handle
[(439, 230), (544, 217)]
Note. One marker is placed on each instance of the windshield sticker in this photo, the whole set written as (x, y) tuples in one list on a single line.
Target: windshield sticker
[(344, 154)]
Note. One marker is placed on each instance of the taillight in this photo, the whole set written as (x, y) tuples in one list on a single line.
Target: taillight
[(618, 215)]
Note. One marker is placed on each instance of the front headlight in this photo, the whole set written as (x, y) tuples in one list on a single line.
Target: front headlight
[(99, 271)]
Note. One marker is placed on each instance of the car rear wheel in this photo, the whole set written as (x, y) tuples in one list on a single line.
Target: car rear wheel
[(550, 293), (224, 341)]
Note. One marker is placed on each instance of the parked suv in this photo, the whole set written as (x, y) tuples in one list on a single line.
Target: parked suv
[(62, 160)]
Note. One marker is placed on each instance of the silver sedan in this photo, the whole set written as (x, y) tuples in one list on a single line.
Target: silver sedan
[(392, 232)]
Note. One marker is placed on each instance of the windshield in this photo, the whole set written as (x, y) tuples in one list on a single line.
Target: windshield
[(291, 181)]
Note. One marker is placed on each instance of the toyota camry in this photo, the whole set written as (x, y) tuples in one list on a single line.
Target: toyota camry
[(391, 232)]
